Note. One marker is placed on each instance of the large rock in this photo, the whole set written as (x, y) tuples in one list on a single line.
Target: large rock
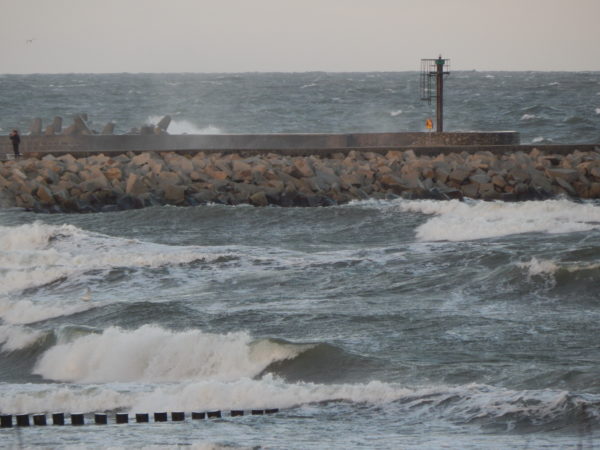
[(215, 174), (94, 184), (241, 171), (459, 175), (259, 199), (303, 167), (44, 194), (174, 194), (141, 158), (135, 185), (178, 163), (393, 183), (566, 186), (165, 179), (568, 175), (113, 173)]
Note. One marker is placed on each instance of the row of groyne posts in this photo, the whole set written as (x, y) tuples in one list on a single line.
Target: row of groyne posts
[(77, 419)]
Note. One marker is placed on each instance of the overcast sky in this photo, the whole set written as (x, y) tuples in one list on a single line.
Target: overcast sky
[(62, 36)]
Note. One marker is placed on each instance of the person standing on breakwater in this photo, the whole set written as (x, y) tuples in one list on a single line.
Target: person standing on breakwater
[(16, 140)]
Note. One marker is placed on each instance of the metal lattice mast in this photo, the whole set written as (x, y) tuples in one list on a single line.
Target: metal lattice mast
[(434, 68)]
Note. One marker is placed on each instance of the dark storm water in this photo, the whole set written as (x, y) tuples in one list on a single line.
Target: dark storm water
[(545, 107), (378, 324)]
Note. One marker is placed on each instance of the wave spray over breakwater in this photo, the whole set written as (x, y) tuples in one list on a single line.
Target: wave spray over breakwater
[(380, 321)]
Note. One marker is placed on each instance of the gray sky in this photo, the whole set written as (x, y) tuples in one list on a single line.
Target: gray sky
[(296, 35)]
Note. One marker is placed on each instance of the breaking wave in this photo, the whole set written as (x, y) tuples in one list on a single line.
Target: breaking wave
[(153, 354), (37, 254), (464, 221)]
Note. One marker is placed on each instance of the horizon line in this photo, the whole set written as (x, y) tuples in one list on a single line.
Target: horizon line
[(293, 72)]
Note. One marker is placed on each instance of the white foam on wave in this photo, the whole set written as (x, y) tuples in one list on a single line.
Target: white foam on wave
[(528, 117), (16, 337), (25, 311), (266, 392), (548, 268), (465, 403), (597, 110), (182, 126), (34, 236), (153, 354), (245, 393), (539, 267), (37, 254), (42, 398), (464, 221), (395, 113)]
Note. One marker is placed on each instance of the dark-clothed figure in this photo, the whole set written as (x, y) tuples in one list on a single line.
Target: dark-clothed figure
[(16, 140)]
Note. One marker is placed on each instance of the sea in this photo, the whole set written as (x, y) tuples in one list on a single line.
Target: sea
[(377, 324)]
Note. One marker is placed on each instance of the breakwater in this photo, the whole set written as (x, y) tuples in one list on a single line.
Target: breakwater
[(109, 182), (285, 143)]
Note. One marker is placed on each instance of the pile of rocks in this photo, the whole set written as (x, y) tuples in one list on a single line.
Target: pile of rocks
[(108, 183)]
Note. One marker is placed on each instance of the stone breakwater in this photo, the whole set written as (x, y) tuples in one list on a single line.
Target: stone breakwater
[(125, 181)]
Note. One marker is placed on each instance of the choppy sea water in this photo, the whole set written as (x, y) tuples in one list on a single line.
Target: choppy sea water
[(545, 107), (376, 324)]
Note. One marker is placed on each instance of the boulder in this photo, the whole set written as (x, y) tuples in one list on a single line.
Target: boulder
[(44, 194), (94, 184), (141, 159), (303, 167), (569, 175), (241, 171), (215, 173), (259, 199), (393, 183), (479, 179), (470, 190), (113, 173), (174, 194), (565, 185), (459, 174), (134, 185), (165, 179), (179, 163)]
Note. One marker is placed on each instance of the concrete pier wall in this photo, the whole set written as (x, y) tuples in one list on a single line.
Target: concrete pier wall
[(40, 145)]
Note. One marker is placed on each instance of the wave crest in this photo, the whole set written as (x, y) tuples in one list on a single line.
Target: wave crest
[(153, 354), (464, 221)]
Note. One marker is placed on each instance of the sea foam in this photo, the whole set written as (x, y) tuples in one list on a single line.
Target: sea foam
[(153, 354), (38, 254), (182, 126), (463, 221), (16, 337), (462, 403)]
